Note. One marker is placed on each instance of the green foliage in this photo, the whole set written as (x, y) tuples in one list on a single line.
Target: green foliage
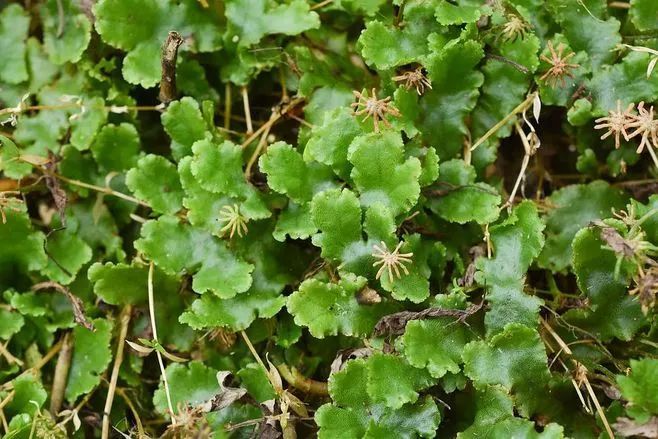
[(639, 388), (91, 356), (360, 393), (342, 219), (514, 359), (329, 309)]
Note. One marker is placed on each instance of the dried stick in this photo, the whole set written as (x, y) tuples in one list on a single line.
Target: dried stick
[(118, 359), (61, 375), (169, 54), (396, 323)]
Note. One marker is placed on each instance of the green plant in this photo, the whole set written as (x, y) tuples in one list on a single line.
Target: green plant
[(342, 219)]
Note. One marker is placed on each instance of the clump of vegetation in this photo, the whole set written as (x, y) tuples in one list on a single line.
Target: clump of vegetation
[(333, 219)]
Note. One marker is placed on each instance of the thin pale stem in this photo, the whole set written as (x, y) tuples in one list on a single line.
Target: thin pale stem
[(257, 152), (299, 381), (8, 355), (619, 5), (322, 4), (118, 359), (22, 109), (227, 106), (267, 125), (7, 399), (519, 109), (247, 110), (565, 348), (524, 166), (104, 190), (131, 406), (61, 374), (284, 90), (253, 351), (155, 338), (653, 156), (599, 409), (112, 108), (42, 362)]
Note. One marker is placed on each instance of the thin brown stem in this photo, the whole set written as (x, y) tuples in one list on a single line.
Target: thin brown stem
[(653, 156), (124, 320), (564, 347), (619, 5)]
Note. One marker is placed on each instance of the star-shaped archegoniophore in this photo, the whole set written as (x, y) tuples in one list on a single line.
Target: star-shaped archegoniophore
[(235, 222), (646, 126), (560, 68), (375, 108), (515, 28), (391, 261), (414, 79), (616, 123)]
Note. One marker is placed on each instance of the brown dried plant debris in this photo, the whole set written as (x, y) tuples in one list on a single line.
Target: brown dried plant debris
[(395, 324), (646, 288), (414, 79), (560, 67), (378, 109)]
